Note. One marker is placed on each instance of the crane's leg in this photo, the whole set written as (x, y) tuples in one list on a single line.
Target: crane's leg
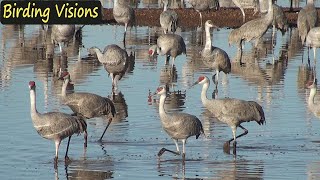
[(314, 55), (183, 151), (57, 144), (173, 152), (110, 120), (85, 139), (60, 47), (66, 158), (112, 80)]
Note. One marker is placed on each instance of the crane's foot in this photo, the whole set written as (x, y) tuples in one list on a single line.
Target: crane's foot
[(161, 151), (226, 147), (67, 160), (235, 147)]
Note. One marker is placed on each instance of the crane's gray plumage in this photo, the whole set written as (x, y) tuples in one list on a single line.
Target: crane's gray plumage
[(214, 57), (204, 5), (124, 14), (62, 33), (279, 19), (251, 30), (231, 111), (179, 126), (55, 126), (114, 59), (307, 19), (169, 45), (313, 40), (168, 19), (239, 4), (87, 105)]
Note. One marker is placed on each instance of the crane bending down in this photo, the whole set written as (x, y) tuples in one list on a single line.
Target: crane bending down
[(214, 57), (231, 111), (55, 126), (168, 19), (307, 19), (115, 61), (124, 14), (62, 33), (251, 30), (87, 105), (179, 126), (169, 45), (204, 5)]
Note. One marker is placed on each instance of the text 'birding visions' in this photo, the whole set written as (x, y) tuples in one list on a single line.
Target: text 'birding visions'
[(51, 12)]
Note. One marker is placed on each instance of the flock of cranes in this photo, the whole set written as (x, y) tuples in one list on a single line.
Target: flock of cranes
[(57, 126)]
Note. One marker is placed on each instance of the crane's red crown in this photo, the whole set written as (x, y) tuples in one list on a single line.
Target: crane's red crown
[(65, 73), (159, 89), (150, 51), (32, 83), (201, 78)]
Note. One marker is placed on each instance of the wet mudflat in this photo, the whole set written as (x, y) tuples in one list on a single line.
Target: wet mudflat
[(287, 147)]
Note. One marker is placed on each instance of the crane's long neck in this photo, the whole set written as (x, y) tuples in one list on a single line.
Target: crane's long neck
[(208, 39), (33, 109), (204, 98), (165, 5), (162, 112), (270, 12), (313, 92), (99, 55)]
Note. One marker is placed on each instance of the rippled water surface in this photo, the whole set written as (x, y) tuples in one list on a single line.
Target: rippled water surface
[(287, 147)]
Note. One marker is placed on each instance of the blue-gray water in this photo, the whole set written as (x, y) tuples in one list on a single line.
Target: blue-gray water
[(287, 147)]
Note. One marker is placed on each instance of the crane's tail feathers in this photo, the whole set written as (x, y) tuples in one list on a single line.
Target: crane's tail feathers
[(82, 125)]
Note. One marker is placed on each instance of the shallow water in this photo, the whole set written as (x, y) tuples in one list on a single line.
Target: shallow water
[(287, 147)]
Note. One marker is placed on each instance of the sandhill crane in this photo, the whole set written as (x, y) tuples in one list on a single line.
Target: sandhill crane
[(124, 14), (168, 19), (307, 19), (215, 57), (203, 5), (314, 107), (115, 61), (313, 40), (251, 30), (62, 33), (231, 111), (179, 126), (239, 4), (55, 126), (279, 19), (87, 105), (169, 45)]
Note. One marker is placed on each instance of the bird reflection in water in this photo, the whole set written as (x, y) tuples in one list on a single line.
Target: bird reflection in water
[(120, 105), (174, 102)]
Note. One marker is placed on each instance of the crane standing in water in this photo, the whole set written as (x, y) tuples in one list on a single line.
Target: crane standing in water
[(123, 13), (251, 30), (231, 111), (168, 19), (55, 126), (204, 5), (179, 126), (87, 105), (214, 57), (115, 61)]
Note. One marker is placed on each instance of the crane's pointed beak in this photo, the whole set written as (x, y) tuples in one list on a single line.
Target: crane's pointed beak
[(195, 83)]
